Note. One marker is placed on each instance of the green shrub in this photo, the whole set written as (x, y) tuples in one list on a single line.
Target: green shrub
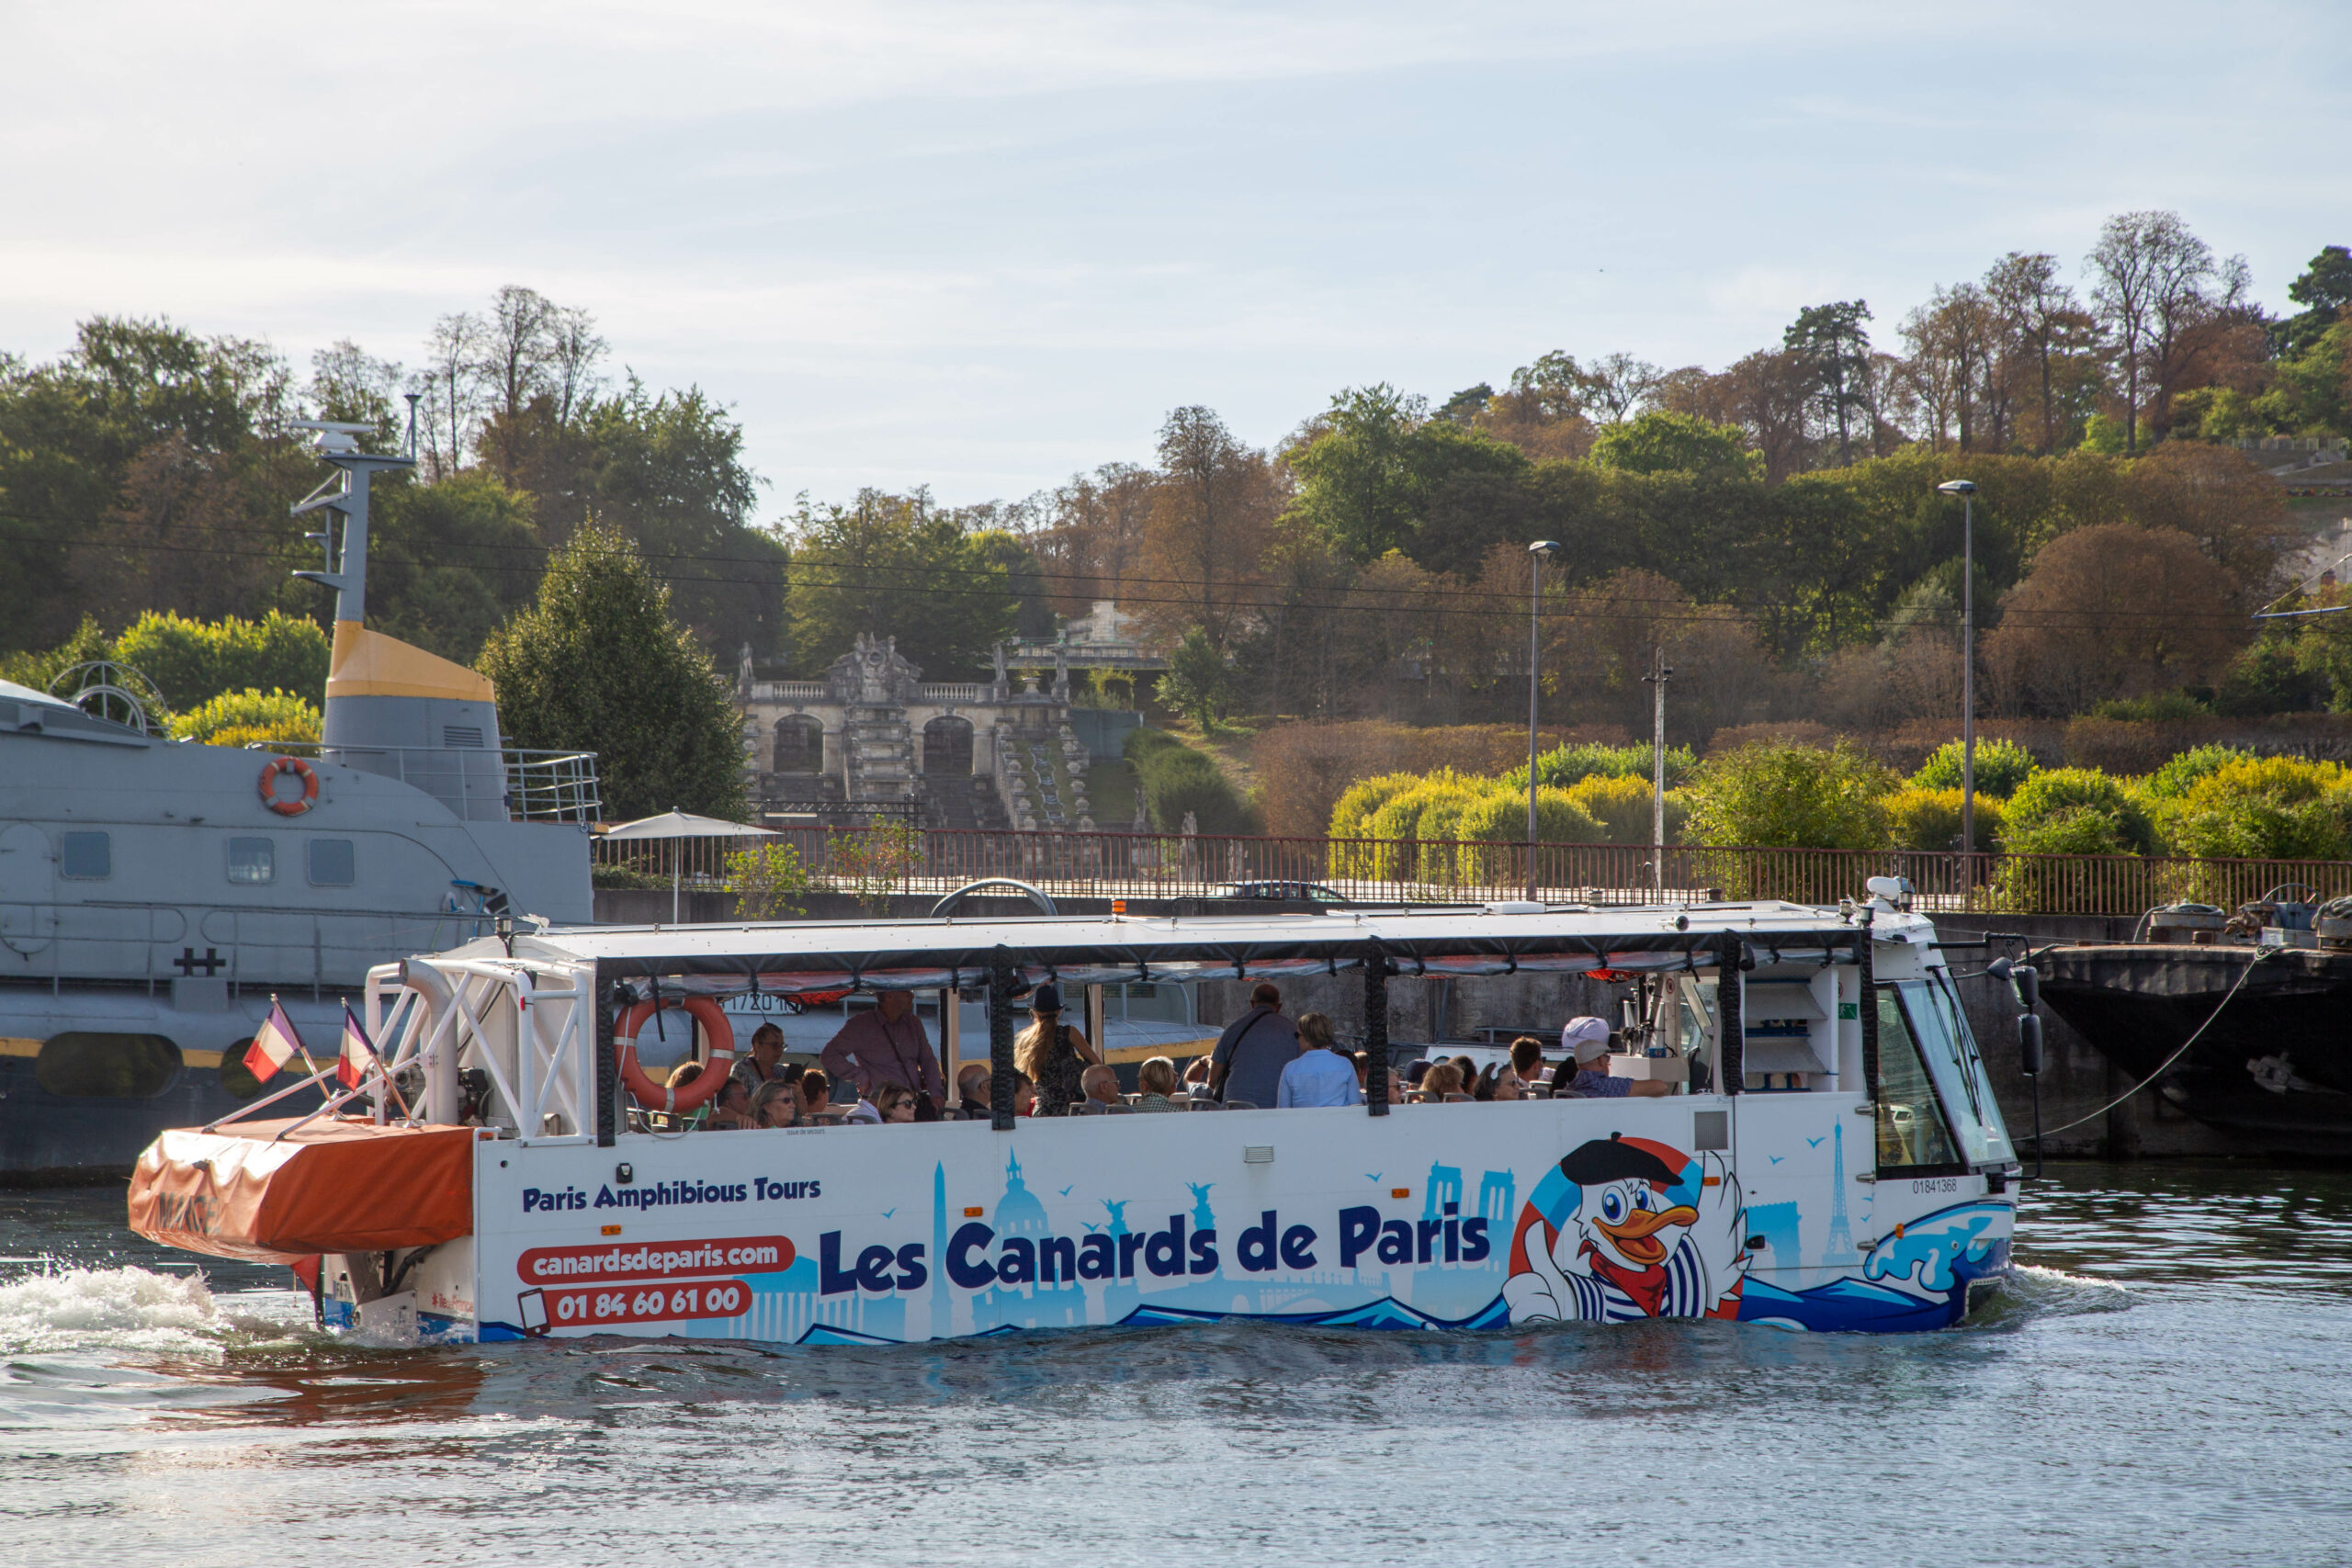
[(2076, 811), (2175, 778), (193, 661), (1177, 779), (1930, 819), (2001, 766), (249, 719), (1352, 816), (2266, 809), (1622, 806), (765, 878), (1564, 767), (2161, 707), (1778, 795)]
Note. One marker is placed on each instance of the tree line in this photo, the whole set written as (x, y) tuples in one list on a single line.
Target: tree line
[(1773, 525)]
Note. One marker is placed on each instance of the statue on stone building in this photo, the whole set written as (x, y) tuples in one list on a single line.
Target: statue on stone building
[(744, 675)]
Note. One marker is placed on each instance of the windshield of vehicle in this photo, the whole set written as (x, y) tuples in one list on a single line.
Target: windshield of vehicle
[(1950, 1050)]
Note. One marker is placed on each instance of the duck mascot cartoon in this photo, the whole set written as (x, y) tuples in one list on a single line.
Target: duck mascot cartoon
[(1628, 1228)]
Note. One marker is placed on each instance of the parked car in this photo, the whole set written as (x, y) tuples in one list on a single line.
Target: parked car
[(1286, 892)]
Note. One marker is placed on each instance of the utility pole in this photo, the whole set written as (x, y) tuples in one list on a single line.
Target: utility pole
[(1660, 673), (1966, 490), (1536, 554)]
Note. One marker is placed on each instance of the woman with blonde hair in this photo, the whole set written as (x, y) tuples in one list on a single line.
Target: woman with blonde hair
[(1054, 1055), (1157, 1079)]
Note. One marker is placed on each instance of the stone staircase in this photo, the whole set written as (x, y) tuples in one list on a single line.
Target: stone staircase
[(961, 801), (878, 755)]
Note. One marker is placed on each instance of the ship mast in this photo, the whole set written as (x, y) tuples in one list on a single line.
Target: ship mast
[(347, 570)]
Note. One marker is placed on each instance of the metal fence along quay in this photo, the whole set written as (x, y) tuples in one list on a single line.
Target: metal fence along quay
[(1172, 866)]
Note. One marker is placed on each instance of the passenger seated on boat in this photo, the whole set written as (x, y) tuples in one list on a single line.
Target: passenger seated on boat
[(1101, 1084), (1469, 1071), (1319, 1076), (886, 1040), (1488, 1085), (890, 1102), (1157, 1079), (733, 1107), (1197, 1078), (1586, 1041), (1414, 1073), (759, 1064), (1443, 1078), (774, 1105), (814, 1090), (972, 1090), (1527, 1061)]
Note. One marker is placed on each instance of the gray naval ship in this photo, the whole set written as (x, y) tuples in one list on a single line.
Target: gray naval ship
[(156, 895)]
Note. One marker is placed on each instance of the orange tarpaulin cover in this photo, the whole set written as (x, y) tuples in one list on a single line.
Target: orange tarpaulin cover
[(331, 1187)]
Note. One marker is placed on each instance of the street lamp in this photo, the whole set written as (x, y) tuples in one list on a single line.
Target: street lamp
[(1536, 554), (1966, 490)]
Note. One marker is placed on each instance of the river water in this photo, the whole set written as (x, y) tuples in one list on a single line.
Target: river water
[(2169, 1381)]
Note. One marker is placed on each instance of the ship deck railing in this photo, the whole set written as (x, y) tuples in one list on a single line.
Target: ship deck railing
[(533, 783)]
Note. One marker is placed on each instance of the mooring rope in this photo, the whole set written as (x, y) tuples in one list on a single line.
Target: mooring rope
[(2259, 959)]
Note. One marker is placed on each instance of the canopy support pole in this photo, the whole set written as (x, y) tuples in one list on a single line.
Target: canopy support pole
[(1864, 953), (607, 1070), (1731, 1027), (1376, 1028), (1000, 1040)]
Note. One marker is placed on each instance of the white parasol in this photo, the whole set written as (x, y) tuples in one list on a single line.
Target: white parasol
[(677, 826)]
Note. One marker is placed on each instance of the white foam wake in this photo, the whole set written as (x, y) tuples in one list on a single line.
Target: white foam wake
[(106, 1309)]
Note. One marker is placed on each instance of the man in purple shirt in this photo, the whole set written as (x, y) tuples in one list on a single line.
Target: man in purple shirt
[(885, 1044)]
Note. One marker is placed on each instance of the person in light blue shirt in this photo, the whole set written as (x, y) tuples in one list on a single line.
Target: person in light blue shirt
[(1318, 1074)]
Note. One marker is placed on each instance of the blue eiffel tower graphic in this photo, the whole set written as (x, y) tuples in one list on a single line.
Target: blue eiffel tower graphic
[(1840, 1239)]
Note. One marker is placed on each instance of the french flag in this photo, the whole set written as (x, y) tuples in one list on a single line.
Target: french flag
[(274, 1045), (358, 1053)]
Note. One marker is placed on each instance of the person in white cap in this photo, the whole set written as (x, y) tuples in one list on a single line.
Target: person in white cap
[(1585, 1040)]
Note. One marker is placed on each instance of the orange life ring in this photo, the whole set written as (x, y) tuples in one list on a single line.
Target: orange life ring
[(659, 1097), (300, 770)]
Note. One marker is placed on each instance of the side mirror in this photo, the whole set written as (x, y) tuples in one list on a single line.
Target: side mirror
[(2030, 1045), (2028, 981)]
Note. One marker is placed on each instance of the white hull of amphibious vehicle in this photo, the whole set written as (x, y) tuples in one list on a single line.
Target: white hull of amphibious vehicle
[(1871, 1188), (156, 894)]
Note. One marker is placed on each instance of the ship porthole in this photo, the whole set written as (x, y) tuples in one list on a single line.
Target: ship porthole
[(86, 1065)]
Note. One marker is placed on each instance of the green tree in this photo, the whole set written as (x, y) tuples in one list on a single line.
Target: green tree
[(1780, 795), (1370, 477), (1835, 348), (1660, 441), (448, 562), (597, 663), (2323, 290), (878, 861), (766, 879), (894, 566), (1199, 682)]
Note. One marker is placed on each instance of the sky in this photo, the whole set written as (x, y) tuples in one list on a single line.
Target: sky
[(984, 245)]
